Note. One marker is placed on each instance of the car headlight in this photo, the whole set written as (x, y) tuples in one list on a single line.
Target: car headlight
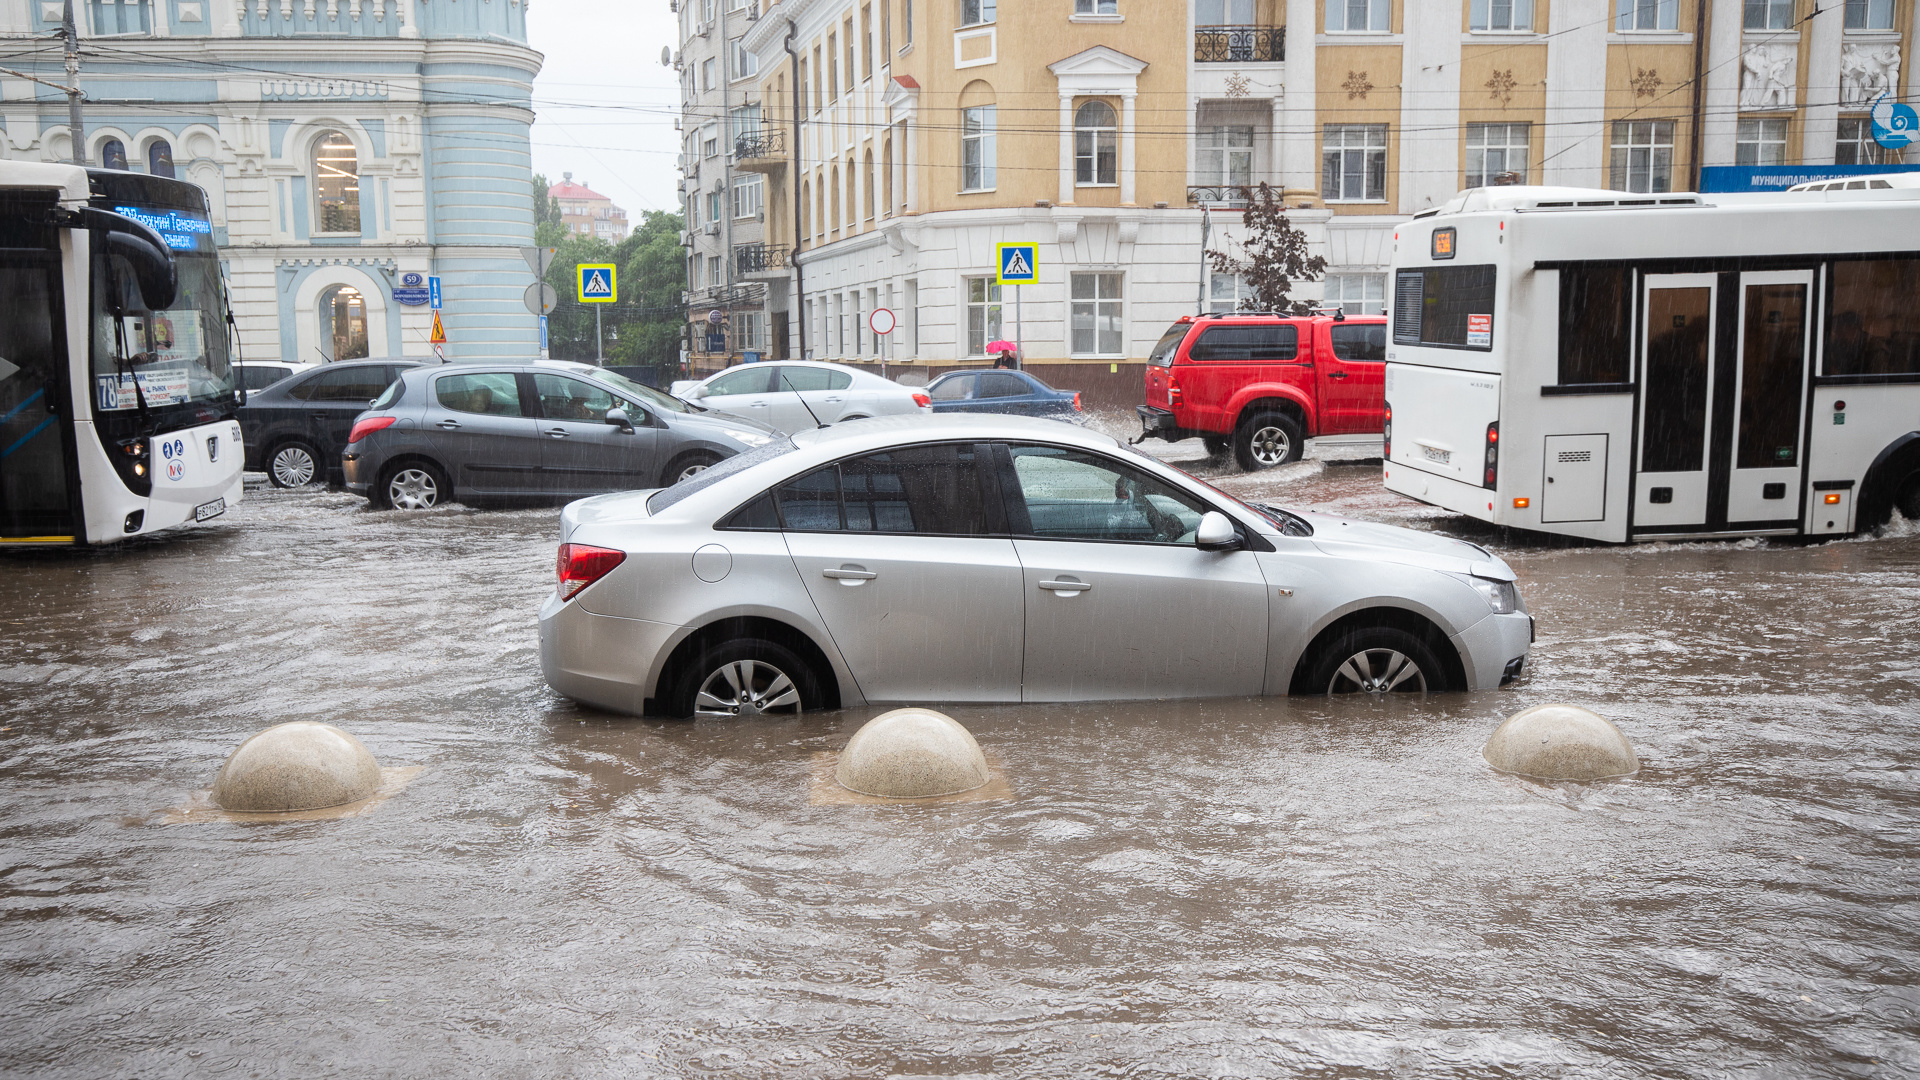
[(749, 438), (1501, 596)]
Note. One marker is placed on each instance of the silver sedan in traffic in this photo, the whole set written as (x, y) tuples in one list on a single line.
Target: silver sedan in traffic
[(987, 559)]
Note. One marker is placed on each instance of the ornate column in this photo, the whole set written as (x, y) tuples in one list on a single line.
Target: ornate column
[(407, 27)]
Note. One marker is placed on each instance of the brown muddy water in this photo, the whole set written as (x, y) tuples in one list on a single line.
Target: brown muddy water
[(1220, 889)]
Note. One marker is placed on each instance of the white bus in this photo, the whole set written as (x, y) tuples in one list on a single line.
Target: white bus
[(117, 401), (1630, 367)]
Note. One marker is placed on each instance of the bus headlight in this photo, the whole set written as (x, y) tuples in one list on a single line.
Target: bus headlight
[(1501, 596)]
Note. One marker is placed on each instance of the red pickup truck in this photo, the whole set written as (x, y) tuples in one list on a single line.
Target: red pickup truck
[(1263, 384)]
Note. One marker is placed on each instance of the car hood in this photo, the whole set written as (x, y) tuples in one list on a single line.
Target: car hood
[(1365, 540), (715, 424)]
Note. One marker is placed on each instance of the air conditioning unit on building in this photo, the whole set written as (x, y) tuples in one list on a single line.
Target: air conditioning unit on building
[(760, 215), (686, 238), (713, 228)]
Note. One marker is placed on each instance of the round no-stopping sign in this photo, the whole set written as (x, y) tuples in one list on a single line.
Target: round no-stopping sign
[(882, 321)]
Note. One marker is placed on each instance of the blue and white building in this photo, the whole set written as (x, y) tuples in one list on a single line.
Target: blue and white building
[(346, 146)]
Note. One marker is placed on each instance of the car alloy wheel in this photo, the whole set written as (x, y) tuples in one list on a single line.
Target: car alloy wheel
[(1270, 446), (293, 466), (691, 470), (1378, 671), (746, 688), (413, 488)]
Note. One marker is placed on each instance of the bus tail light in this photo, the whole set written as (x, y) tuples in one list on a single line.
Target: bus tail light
[(364, 428), (1386, 435), (580, 565), (1493, 454)]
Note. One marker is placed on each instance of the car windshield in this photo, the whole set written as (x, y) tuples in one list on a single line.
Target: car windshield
[(706, 478), (643, 393), (1162, 354)]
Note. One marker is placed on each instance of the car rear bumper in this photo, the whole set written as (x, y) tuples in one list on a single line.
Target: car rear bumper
[(600, 660), (1158, 423)]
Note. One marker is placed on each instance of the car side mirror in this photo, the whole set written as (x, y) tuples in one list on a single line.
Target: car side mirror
[(1216, 533), (618, 417), (697, 393)]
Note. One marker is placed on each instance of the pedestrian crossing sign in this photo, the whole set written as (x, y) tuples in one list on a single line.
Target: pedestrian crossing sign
[(598, 284), (1019, 264)]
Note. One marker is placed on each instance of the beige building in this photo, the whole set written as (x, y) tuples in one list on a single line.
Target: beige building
[(586, 212), (905, 139)]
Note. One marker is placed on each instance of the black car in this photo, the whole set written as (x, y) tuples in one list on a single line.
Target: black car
[(295, 429)]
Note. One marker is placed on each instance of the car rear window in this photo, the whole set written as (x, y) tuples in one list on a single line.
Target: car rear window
[(1162, 354), (1269, 341), (1360, 341), (660, 500)]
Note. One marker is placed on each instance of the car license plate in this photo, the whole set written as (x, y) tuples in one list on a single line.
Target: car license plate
[(208, 510), (1436, 454)]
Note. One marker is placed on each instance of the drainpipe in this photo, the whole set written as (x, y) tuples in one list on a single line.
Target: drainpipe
[(1699, 90), (799, 281)]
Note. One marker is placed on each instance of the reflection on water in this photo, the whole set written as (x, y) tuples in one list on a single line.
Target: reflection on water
[(1229, 888)]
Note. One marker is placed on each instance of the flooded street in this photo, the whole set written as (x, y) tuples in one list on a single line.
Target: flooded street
[(1221, 888)]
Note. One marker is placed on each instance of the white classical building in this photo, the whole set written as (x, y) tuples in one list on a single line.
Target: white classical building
[(345, 145)]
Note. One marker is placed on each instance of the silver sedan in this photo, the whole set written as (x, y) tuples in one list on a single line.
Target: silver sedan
[(986, 559)]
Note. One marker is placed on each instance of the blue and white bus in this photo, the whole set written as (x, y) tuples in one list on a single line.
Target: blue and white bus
[(117, 397), (1628, 367)]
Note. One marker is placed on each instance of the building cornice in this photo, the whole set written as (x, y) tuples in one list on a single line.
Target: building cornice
[(773, 25)]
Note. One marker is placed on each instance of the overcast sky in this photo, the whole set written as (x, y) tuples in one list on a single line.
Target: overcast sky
[(604, 106)]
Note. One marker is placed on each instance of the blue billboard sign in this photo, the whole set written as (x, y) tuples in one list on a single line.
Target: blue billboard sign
[(1717, 179)]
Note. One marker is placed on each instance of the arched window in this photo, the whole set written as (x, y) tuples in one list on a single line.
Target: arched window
[(1096, 144), (113, 155), (866, 178), (336, 183), (343, 323), (979, 135), (853, 208), (886, 179), (806, 207), (160, 158), (834, 221), (820, 207)]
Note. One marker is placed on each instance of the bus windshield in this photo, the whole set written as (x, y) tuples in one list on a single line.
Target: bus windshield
[(174, 365)]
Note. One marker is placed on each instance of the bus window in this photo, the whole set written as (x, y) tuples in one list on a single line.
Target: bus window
[(1596, 327), (1875, 327), (1449, 305)]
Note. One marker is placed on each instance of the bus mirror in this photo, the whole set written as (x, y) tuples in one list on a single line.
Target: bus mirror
[(144, 253)]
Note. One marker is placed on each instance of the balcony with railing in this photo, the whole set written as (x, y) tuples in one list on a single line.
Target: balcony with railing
[(762, 150), (1220, 196), (1239, 44), (326, 18), (759, 259)]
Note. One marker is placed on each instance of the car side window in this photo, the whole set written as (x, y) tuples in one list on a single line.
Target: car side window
[(562, 398), (1076, 495), (1000, 384), (1366, 342), (953, 389), (490, 393), (361, 384), (259, 378), (1247, 343), (747, 380), (839, 380), (789, 377), (928, 490)]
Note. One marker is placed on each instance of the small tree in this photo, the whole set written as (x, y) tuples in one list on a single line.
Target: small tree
[(1276, 257)]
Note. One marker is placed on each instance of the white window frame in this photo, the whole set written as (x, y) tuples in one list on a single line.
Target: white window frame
[(707, 68), (1869, 15), (1357, 293), (749, 196), (1766, 14), (1760, 140), (978, 12), (1223, 159), (1500, 16), (1108, 301), (1097, 8), (1641, 136), (1371, 144), (1377, 14), (985, 313), (978, 133), (1856, 133), (1089, 142), (1514, 138), (744, 64), (716, 205), (716, 270), (1646, 16), (1226, 293)]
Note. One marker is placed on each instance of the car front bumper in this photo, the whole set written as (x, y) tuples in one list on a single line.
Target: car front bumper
[(1494, 650)]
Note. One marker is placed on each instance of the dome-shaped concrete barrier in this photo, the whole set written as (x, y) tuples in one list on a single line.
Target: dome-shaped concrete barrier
[(298, 766), (912, 754), (1560, 742)]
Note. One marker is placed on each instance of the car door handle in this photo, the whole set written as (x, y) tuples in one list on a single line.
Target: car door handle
[(835, 399), (1065, 586), (449, 425), (1337, 375), (558, 432), (849, 573)]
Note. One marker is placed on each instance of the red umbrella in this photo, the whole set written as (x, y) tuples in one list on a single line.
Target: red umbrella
[(1002, 346)]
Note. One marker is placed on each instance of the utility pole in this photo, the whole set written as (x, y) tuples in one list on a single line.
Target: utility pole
[(74, 123)]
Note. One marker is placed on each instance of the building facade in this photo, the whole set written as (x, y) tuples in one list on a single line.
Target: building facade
[(586, 212), (345, 146)]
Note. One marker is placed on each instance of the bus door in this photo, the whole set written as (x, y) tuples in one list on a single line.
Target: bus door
[(1769, 398), (1676, 399), (35, 499)]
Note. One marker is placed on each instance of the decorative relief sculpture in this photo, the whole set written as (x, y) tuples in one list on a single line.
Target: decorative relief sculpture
[(1867, 71), (1356, 85), (1646, 83), (1500, 87), (1767, 76)]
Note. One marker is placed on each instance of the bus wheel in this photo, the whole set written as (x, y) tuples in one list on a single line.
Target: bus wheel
[(1908, 501), (1266, 439), (416, 485), (294, 464)]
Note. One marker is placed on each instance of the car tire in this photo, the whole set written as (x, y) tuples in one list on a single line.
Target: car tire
[(1217, 445), (687, 465), (744, 677), (413, 485), (1266, 439), (293, 464), (1376, 660)]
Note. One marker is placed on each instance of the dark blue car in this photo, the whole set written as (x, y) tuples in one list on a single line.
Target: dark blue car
[(997, 391)]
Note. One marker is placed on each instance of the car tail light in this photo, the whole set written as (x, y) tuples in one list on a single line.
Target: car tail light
[(1076, 401), (923, 401), (1493, 454), (364, 428), (1386, 435), (1173, 389), (581, 565)]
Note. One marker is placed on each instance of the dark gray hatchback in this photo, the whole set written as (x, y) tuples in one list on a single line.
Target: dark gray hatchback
[(520, 431)]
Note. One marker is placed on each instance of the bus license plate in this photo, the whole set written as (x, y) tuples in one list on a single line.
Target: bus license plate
[(1435, 454), (209, 510)]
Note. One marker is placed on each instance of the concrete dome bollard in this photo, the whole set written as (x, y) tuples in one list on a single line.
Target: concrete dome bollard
[(1560, 742), (912, 754), (298, 766)]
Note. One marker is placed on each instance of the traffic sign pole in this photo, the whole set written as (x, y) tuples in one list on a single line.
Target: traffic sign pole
[(1017, 265)]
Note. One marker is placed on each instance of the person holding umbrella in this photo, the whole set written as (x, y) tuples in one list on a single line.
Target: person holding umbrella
[(1008, 354)]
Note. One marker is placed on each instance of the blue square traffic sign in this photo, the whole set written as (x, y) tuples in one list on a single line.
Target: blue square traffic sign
[(433, 293), (597, 283), (1019, 264)]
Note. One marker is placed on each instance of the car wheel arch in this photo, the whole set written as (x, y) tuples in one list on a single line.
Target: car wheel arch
[(1256, 400), (1392, 613), (834, 680)]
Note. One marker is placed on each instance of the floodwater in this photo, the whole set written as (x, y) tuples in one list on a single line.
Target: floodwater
[(1218, 889)]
